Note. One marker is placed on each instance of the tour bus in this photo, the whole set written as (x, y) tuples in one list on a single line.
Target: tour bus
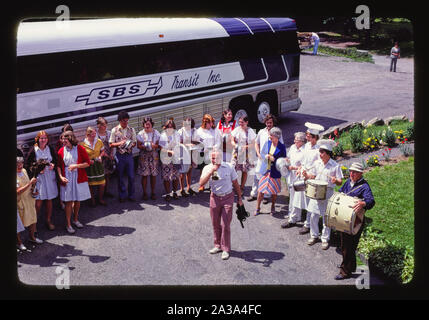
[(75, 71)]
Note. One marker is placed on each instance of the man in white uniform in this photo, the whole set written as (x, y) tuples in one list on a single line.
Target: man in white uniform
[(326, 170), (311, 155)]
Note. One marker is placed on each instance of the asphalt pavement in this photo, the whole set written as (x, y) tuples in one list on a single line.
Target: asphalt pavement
[(164, 244)]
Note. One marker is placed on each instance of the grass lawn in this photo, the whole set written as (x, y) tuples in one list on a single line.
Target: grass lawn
[(393, 190)]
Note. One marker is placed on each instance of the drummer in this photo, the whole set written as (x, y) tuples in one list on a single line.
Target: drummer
[(296, 198), (325, 169), (311, 156), (355, 186)]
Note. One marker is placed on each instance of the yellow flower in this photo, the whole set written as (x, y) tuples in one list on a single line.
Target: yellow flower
[(372, 146)]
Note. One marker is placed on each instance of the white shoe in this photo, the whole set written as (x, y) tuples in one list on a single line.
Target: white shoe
[(215, 250), (325, 245), (22, 247), (70, 230), (225, 255), (78, 224), (36, 240)]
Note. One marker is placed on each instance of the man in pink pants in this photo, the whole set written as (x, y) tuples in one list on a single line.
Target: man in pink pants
[(222, 179)]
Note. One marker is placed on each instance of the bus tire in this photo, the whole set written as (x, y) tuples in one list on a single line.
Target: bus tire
[(265, 104), (243, 106)]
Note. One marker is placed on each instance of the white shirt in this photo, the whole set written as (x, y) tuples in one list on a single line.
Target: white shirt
[(209, 137), (325, 172), (188, 135), (169, 141), (311, 155), (144, 136), (314, 36), (226, 173)]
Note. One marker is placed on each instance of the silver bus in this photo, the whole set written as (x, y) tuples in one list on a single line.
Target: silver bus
[(158, 67)]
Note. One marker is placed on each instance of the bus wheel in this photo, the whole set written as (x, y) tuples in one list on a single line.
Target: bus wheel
[(240, 113), (262, 110)]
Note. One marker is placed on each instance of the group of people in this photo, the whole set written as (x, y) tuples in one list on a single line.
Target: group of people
[(308, 158), (75, 170)]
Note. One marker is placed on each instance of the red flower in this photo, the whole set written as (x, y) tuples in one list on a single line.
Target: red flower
[(406, 139), (402, 142), (336, 132), (390, 149), (382, 154)]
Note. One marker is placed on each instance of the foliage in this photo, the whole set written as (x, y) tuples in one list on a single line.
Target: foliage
[(389, 137), (371, 143), (356, 139), (338, 149), (409, 132), (372, 161), (406, 149), (396, 262), (386, 154), (388, 238)]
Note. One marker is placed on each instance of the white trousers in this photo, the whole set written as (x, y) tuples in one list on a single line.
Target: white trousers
[(314, 226)]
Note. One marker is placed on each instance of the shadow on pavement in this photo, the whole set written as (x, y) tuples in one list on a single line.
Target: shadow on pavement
[(266, 258)]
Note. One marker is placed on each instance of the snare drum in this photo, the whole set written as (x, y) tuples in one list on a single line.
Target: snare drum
[(316, 189), (340, 214), (299, 185)]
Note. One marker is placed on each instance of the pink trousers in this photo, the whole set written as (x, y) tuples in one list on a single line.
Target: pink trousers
[(221, 215)]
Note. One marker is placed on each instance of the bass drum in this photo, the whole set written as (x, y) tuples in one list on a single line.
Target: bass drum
[(340, 214)]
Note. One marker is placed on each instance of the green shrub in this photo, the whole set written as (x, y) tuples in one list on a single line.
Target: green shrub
[(356, 139), (389, 137), (409, 132), (338, 149), (396, 262)]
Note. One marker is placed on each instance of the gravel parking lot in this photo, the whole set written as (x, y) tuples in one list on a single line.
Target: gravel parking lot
[(152, 243)]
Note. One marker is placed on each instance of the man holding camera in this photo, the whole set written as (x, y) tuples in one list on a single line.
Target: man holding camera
[(222, 179)]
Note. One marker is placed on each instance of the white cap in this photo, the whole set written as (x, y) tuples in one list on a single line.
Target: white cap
[(314, 128), (356, 166), (326, 144)]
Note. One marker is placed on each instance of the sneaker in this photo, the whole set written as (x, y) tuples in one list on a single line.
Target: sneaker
[(325, 245), (225, 255), (70, 230), (215, 250), (312, 241), (77, 224), (22, 247), (36, 240)]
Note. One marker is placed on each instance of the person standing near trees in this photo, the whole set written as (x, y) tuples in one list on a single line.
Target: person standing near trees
[(315, 39), (395, 54)]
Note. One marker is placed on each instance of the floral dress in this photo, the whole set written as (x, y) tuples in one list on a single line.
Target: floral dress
[(148, 159)]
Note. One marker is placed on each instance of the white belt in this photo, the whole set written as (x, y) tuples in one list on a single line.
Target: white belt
[(222, 194)]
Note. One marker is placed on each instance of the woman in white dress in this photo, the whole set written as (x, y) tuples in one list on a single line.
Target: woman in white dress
[(297, 200), (225, 126), (169, 170), (189, 138), (210, 138), (244, 155), (72, 161), (46, 181)]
